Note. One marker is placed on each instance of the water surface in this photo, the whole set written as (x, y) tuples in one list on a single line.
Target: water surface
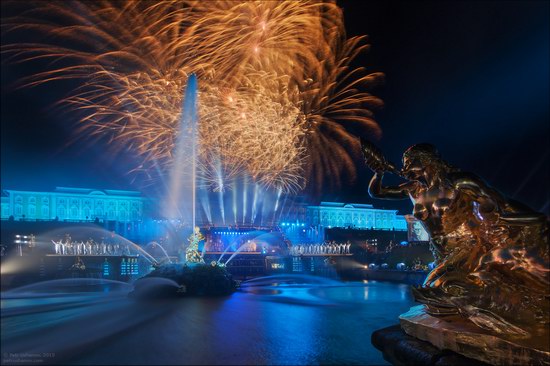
[(275, 320)]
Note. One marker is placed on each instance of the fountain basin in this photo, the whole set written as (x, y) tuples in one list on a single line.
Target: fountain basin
[(189, 279)]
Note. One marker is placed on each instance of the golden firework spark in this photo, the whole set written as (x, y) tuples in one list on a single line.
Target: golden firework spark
[(278, 99)]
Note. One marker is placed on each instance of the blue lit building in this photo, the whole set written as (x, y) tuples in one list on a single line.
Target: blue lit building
[(131, 215), (73, 204), (307, 224), (354, 215), (124, 212)]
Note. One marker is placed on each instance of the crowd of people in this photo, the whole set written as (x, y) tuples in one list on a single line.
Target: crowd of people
[(328, 247), (90, 247)]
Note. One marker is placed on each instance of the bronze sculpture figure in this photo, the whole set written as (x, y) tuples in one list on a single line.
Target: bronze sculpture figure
[(491, 253), (192, 253)]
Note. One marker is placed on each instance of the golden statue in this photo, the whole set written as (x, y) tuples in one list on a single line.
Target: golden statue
[(491, 253), (192, 254)]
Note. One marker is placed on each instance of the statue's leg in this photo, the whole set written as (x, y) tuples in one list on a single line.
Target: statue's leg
[(472, 261), (435, 274)]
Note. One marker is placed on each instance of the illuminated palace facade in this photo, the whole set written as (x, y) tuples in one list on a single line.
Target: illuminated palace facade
[(307, 224), (354, 215), (83, 204), (129, 214), (73, 204)]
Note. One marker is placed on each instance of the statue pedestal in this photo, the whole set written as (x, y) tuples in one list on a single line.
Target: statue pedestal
[(400, 349), (461, 336)]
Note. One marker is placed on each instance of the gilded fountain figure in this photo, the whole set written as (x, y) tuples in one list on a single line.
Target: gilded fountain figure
[(192, 253), (491, 252)]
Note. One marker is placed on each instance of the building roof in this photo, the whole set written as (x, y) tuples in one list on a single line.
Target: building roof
[(109, 192), (341, 205), (344, 205), (82, 191)]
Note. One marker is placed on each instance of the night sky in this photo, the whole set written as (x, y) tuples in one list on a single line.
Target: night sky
[(470, 77)]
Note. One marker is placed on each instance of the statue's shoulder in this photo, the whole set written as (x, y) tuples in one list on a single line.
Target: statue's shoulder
[(460, 178)]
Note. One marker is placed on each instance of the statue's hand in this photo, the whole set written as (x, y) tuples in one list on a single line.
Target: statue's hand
[(376, 168), (374, 158)]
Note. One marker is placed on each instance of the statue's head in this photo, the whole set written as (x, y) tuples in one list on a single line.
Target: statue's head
[(417, 157)]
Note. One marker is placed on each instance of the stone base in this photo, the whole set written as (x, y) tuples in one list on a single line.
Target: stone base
[(456, 334), (401, 349)]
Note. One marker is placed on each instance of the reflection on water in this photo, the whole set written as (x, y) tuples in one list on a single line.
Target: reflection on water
[(271, 320)]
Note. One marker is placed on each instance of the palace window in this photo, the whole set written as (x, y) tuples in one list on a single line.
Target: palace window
[(297, 264)]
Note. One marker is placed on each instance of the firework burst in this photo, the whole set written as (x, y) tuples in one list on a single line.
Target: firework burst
[(277, 100)]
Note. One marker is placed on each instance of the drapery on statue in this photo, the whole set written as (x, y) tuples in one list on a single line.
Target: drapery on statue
[(491, 253)]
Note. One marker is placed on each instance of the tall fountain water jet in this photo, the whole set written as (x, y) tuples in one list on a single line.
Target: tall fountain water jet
[(181, 200), (193, 276)]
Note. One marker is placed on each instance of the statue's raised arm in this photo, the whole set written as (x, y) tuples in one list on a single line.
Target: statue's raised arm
[(399, 192), (379, 165)]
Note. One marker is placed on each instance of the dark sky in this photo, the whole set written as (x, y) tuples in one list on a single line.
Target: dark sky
[(471, 77)]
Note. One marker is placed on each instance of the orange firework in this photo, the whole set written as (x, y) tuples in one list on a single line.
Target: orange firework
[(277, 97)]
